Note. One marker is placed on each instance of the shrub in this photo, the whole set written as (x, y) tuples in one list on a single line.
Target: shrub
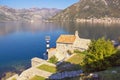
[(95, 59), (69, 52), (77, 51), (53, 59)]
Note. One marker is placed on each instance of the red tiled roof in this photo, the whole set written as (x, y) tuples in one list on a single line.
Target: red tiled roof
[(66, 39)]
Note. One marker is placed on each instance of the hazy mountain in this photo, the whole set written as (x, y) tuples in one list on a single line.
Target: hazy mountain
[(8, 14), (87, 9)]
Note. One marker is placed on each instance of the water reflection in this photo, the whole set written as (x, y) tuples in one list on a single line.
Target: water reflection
[(86, 30), (93, 31), (14, 27)]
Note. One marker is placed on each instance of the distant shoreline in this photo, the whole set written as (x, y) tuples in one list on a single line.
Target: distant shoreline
[(78, 20), (102, 20), (91, 20)]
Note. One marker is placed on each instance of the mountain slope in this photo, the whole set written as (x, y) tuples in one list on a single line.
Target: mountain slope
[(87, 9), (8, 14)]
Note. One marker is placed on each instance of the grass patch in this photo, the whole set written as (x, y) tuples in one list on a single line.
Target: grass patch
[(14, 79), (37, 78), (73, 63), (76, 59), (48, 68)]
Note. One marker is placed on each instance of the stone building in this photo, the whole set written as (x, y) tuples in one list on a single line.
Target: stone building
[(68, 42)]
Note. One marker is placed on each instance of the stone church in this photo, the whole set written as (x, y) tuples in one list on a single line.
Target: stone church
[(68, 42)]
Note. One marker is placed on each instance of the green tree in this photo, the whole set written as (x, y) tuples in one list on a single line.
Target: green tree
[(99, 50)]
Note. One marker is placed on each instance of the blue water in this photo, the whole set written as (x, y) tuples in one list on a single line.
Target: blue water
[(21, 41)]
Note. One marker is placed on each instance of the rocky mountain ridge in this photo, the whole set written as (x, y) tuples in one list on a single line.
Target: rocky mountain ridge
[(87, 9), (10, 14)]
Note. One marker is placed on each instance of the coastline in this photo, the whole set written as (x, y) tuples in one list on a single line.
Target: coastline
[(101, 20), (78, 20)]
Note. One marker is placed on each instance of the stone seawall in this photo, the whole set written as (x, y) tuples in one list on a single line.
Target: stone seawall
[(33, 70), (36, 61)]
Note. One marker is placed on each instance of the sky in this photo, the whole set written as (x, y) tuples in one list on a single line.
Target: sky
[(60, 4)]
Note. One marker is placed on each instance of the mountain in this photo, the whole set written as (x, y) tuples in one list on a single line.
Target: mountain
[(87, 9), (10, 14)]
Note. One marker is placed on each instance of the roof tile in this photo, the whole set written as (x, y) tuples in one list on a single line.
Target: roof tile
[(66, 39)]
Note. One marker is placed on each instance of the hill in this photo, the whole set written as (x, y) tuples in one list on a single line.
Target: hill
[(87, 9), (10, 14)]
